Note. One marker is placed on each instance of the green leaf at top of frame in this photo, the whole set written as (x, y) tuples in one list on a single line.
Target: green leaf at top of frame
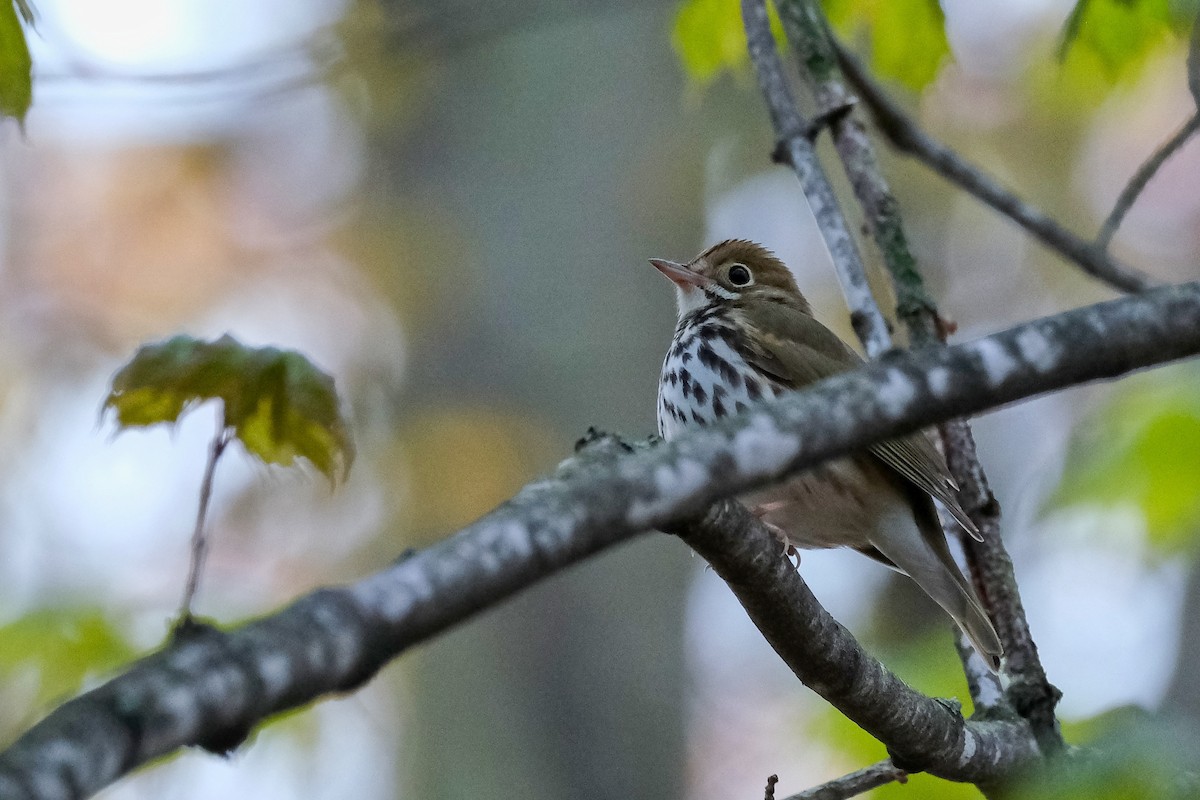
[(906, 38), (710, 39), (276, 402), (1115, 37), (16, 67)]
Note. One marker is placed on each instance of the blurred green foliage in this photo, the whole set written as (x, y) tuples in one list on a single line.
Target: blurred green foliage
[(1140, 449), (16, 83), (1113, 38), (63, 646), (277, 402), (1129, 756), (907, 37), (1102, 41)]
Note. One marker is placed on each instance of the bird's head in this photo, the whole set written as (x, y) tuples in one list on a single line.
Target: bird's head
[(733, 271)]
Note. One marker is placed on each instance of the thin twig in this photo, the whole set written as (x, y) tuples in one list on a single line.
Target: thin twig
[(1029, 691), (199, 539), (1137, 183), (793, 131), (909, 138), (857, 782)]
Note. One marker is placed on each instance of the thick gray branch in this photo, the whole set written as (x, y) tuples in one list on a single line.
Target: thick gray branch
[(920, 732), (210, 688), (909, 138)]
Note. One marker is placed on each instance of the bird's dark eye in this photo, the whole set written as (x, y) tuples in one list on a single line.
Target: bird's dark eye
[(739, 275)]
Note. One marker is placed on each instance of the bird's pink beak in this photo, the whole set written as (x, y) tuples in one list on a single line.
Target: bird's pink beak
[(680, 275)]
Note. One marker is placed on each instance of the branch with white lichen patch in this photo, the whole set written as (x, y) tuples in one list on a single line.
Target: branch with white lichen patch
[(990, 567), (795, 147), (210, 687)]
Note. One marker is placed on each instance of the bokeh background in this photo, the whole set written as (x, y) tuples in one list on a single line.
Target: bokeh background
[(449, 205)]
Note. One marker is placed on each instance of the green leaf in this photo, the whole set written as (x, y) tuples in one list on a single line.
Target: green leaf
[(16, 82), (709, 38), (64, 646), (1115, 37), (1140, 450), (1135, 756), (907, 37), (276, 402)]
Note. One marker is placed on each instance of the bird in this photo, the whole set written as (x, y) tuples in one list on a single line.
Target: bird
[(745, 332)]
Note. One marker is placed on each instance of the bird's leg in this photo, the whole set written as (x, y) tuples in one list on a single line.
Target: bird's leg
[(760, 511)]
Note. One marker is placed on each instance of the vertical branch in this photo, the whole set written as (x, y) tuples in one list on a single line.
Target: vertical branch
[(796, 147), (991, 567), (199, 540)]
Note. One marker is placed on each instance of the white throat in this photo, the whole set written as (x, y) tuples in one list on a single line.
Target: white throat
[(693, 298)]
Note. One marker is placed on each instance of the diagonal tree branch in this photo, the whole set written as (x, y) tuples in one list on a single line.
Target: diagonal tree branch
[(1137, 183), (920, 732), (904, 133), (857, 782), (795, 146), (210, 688)]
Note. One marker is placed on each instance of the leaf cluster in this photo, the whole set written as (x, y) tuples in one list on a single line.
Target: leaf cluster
[(276, 402)]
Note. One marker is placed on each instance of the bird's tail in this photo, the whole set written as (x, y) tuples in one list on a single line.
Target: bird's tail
[(926, 559)]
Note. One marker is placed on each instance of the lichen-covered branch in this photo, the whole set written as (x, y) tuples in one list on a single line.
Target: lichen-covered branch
[(908, 137), (795, 146), (805, 27), (920, 732), (854, 784), (991, 568), (210, 688)]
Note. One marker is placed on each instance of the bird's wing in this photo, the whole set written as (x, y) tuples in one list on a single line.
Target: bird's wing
[(796, 350), (918, 460)]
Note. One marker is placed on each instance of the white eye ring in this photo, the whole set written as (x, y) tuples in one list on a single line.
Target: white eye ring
[(739, 275)]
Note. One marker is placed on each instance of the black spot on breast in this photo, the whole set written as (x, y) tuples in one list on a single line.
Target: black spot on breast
[(699, 420), (685, 378), (700, 394), (709, 357), (740, 406), (718, 392), (685, 356), (729, 373), (718, 406), (752, 388), (673, 378)]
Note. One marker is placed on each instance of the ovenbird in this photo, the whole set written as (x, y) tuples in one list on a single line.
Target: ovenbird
[(746, 332)]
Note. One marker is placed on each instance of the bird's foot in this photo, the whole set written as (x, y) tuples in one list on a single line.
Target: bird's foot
[(760, 511)]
